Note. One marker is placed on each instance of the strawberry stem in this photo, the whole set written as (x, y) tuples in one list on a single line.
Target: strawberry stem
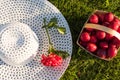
[(63, 54), (51, 49), (50, 43)]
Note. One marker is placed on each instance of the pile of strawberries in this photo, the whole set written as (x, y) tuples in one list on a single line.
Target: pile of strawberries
[(100, 43), (51, 60)]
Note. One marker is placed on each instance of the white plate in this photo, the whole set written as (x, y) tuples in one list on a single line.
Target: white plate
[(32, 12)]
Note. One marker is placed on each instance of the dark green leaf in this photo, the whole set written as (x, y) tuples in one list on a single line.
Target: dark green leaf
[(56, 26), (63, 54), (44, 26), (61, 30), (51, 24), (54, 20)]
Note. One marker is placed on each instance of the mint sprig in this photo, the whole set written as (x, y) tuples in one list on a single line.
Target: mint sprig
[(53, 24)]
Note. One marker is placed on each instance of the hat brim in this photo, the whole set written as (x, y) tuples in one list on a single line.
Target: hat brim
[(32, 12)]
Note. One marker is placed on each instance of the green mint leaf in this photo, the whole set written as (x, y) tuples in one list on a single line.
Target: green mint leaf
[(54, 20), (56, 26), (45, 26), (51, 24), (63, 54), (61, 30)]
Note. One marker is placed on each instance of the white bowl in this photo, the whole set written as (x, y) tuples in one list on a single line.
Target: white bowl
[(18, 43)]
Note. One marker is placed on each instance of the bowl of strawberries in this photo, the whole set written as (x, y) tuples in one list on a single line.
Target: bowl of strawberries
[(100, 35)]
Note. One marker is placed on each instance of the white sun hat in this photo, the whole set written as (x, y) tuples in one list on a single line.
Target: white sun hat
[(18, 44), (31, 13)]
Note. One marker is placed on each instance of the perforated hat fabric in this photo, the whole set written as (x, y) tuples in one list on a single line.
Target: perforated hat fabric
[(31, 13), (18, 44)]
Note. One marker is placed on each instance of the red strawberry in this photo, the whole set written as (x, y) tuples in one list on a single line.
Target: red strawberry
[(117, 21), (93, 18), (84, 44), (100, 34), (116, 42), (101, 53), (85, 37), (118, 30), (112, 52), (93, 39), (114, 25), (108, 36), (112, 45), (109, 17), (103, 45), (51, 60), (101, 17), (89, 29), (106, 24), (91, 47)]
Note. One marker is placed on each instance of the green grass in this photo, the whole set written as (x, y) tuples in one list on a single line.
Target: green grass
[(83, 66)]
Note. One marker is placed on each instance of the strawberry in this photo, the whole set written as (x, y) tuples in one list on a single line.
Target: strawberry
[(118, 30), (101, 53), (108, 36), (94, 19), (93, 39), (112, 52), (117, 21), (109, 17), (100, 34), (114, 25), (91, 47), (103, 45), (101, 17), (51, 60), (85, 37), (106, 24), (89, 29), (84, 44)]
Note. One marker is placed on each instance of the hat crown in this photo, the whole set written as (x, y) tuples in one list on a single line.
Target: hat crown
[(18, 43)]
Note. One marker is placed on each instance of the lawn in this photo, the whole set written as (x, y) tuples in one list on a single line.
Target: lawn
[(83, 66)]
